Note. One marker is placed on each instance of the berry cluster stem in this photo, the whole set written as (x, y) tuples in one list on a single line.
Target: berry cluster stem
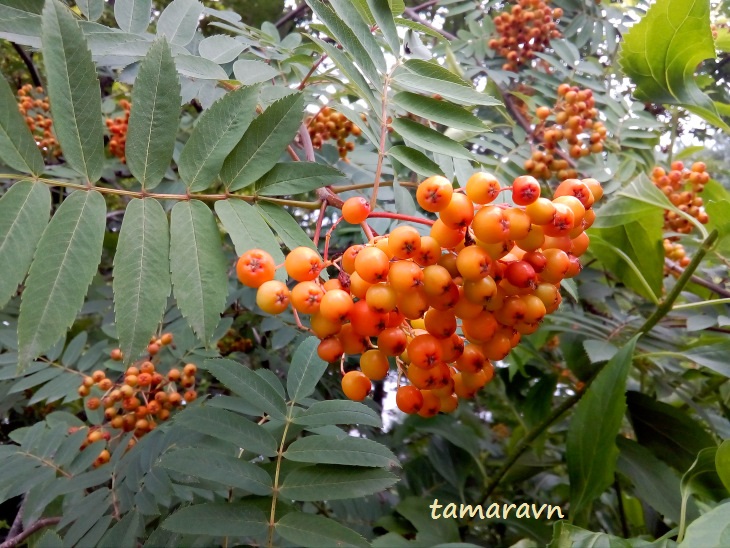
[(383, 136)]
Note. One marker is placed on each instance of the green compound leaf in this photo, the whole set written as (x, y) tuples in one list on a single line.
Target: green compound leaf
[(18, 149), (345, 450), (218, 519), (153, 119), (73, 90), (64, 264), (332, 482), (216, 133), (263, 143), (198, 267), (24, 213), (314, 531), (661, 53), (141, 275), (215, 466), (133, 16), (591, 442), (249, 231)]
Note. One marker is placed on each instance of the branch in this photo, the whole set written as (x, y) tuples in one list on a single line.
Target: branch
[(29, 63), (40, 524), (671, 265), (293, 14)]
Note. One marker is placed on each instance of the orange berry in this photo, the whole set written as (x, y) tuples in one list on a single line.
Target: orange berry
[(303, 264), (404, 242), (372, 264), (458, 213), (355, 210), (306, 297), (434, 193), (482, 188), (336, 305), (255, 267), (409, 399), (374, 364), (356, 385), (273, 296), (330, 349)]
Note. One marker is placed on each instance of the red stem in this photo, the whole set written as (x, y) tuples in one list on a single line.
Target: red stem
[(400, 217)]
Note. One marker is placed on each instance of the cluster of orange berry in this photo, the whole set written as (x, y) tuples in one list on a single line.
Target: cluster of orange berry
[(525, 30), (142, 397), (33, 105), (486, 274), (682, 186), (575, 123), (329, 124), (118, 129)]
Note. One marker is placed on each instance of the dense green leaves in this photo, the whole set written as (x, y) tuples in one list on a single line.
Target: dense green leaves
[(141, 275), (314, 531), (198, 267), (590, 446), (24, 211), (671, 434), (217, 131), (66, 260), (154, 116), (263, 142), (655, 54), (73, 89), (17, 146)]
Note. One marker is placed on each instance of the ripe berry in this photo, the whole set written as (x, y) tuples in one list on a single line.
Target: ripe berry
[(409, 399), (255, 267), (404, 242), (482, 188), (273, 296), (355, 210), (525, 190), (356, 385), (374, 364), (303, 264), (330, 349), (434, 193)]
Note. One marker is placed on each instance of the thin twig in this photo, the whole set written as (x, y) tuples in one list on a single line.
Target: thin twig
[(671, 265), (32, 528), (28, 63)]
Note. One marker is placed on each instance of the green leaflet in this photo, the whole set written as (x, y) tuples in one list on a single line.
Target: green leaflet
[(442, 112), (590, 445), (314, 531), (73, 89), (216, 133), (24, 212), (297, 178), (284, 225), (248, 230), (263, 143), (153, 119), (92, 9), (415, 160), (333, 482), (179, 21), (141, 275), (218, 519), (430, 139), (305, 371), (18, 149), (198, 267), (64, 264), (133, 16), (384, 18), (347, 450), (655, 55)]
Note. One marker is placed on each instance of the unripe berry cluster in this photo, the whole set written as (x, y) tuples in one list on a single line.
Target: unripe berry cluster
[(328, 124), (33, 105), (140, 399), (524, 30), (573, 121), (441, 306), (118, 129)]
